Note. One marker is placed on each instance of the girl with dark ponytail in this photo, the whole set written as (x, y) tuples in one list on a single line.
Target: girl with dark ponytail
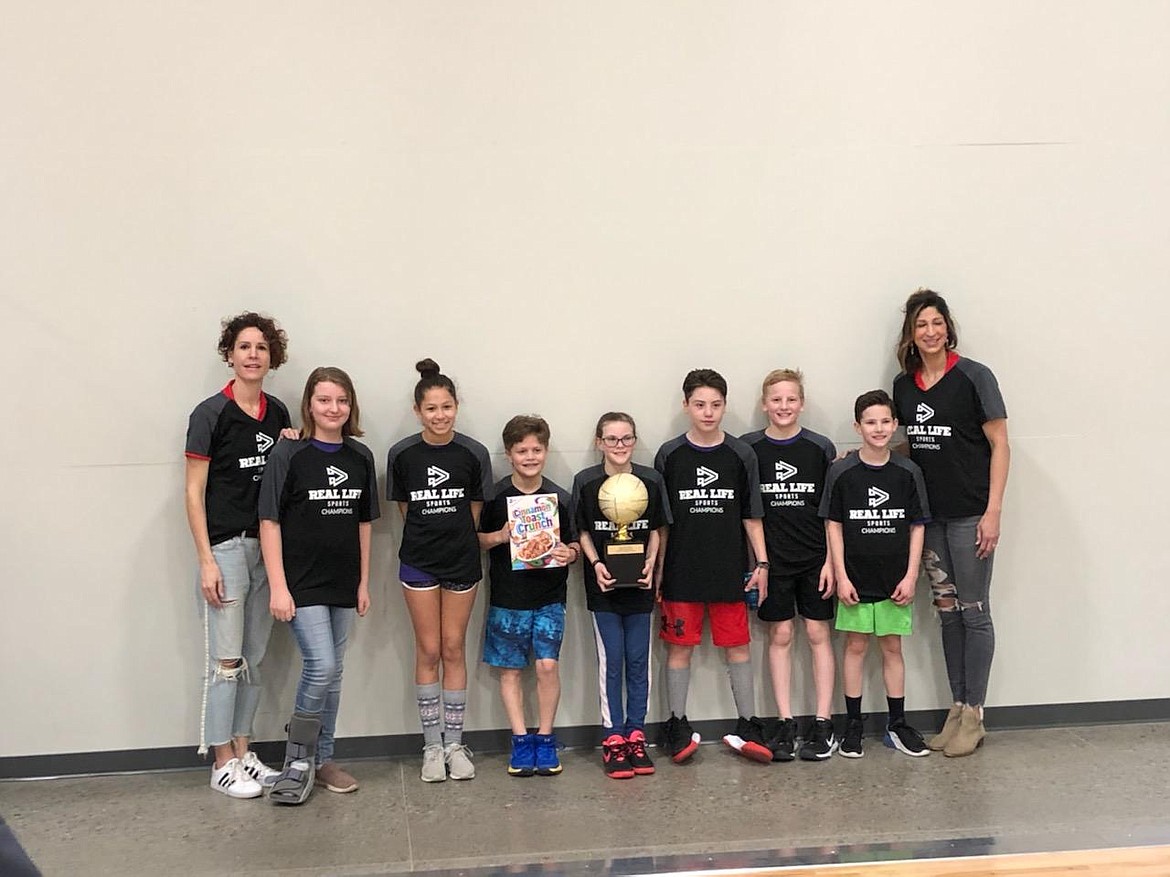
[(439, 478)]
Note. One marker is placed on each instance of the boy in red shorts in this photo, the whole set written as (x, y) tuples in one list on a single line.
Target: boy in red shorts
[(712, 481)]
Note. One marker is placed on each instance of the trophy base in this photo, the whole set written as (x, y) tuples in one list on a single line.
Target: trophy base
[(625, 561)]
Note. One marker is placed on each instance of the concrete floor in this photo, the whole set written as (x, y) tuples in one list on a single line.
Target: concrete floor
[(1025, 790)]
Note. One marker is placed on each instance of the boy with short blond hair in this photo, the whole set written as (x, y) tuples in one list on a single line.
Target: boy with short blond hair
[(794, 462)]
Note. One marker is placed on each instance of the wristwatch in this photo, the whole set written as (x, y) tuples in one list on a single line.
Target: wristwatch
[(763, 564)]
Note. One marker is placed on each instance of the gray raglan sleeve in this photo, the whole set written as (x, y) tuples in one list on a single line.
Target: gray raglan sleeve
[(830, 485), (371, 510), (986, 389), (275, 475), (824, 443), (920, 489), (201, 426), (751, 464), (660, 485)]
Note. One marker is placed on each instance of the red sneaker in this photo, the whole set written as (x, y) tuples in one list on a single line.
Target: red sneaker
[(639, 760), (615, 759)]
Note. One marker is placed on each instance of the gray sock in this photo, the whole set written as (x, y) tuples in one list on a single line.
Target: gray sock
[(428, 712), (742, 687), (454, 705), (678, 680)]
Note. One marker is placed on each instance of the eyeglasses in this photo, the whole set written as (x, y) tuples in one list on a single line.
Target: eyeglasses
[(612, 441)]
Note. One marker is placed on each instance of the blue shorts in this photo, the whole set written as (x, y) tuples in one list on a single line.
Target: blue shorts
[(512, 634)]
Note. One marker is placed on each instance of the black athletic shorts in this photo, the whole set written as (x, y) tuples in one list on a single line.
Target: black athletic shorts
[(788, 595)]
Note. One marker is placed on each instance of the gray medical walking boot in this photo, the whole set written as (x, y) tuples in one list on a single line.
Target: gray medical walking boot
[(295, 782)]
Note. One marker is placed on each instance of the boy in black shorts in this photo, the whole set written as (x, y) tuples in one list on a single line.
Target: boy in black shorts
[(793, 464), (712, 482), (526, 611), (876, 508)]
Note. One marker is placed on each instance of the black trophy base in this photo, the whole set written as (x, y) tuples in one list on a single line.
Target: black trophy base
[(625, 561)]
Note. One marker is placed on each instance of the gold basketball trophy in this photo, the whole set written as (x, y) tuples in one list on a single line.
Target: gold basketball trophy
[(623, 500)]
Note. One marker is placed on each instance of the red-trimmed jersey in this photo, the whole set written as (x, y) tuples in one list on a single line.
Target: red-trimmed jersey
[(944, 427), (236, 447)]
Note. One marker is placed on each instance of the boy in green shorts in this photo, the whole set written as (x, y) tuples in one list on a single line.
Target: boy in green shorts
[(875, 508)]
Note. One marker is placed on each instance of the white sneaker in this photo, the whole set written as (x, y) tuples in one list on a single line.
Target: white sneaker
[(258, 770), (434, 768), (233, 781), (459, 764)]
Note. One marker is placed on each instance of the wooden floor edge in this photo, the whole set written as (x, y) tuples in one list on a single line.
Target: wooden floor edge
[(1144, 861)]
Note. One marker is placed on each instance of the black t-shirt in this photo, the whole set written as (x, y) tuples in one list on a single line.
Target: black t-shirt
[(439, 483), (792, 481), (236, 446), (875, 506), (588, 518), (319, 497), (526, 588), (944, 426), (711, 491)]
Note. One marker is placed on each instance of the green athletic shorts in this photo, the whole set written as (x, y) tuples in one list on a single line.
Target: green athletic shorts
[(881, 619)]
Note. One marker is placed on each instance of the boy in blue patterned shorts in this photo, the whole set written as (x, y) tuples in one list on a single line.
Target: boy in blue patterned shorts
[(526, 611)]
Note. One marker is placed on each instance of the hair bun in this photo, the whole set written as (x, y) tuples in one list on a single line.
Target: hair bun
[(428, 368)]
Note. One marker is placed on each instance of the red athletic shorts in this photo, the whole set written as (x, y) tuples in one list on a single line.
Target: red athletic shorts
[(682, 623)]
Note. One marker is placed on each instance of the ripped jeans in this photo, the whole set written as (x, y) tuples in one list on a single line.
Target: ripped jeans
[(234, 641), (960, 585)]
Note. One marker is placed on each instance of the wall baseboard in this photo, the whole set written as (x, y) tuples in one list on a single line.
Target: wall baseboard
[(1052, 715)]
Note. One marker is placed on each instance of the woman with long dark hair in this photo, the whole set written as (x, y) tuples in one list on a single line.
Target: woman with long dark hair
[(956, 426)]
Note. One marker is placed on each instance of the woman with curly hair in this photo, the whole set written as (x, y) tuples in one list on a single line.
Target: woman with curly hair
[(229, 436)]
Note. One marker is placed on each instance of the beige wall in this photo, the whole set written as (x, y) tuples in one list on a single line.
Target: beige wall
[(568, 205)]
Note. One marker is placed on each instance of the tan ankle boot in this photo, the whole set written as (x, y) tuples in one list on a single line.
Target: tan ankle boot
[(940, 740), (968, 737)]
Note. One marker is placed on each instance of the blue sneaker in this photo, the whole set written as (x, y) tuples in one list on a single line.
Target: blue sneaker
[(547, 762), (523, 761)]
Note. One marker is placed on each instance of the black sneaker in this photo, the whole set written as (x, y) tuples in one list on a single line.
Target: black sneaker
[(681, 739), (905, 739), (615, 758), (851, 745), (780, 738), (748, 740), (636, 749), (821, 742)]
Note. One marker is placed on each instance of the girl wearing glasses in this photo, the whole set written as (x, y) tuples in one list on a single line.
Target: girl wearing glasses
[(621, 616)]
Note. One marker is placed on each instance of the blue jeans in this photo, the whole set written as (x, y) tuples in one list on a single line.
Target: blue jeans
[(238, 632), (321, 633), (623, 654)]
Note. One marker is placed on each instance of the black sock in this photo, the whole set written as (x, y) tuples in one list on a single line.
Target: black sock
[(853, 707), (897, 708)]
